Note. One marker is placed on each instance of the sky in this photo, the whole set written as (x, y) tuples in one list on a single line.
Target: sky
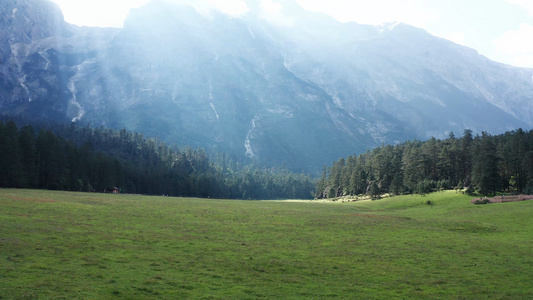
[(501, 30)]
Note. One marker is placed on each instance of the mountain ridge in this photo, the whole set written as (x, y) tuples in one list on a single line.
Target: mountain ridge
[(296, 88)]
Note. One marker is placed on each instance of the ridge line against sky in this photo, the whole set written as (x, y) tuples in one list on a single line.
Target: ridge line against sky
[(501, 30)]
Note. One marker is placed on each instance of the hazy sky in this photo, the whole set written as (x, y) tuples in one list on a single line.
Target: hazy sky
[(499, 29)]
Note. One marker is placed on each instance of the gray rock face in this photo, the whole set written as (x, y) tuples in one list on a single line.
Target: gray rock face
[(23, 23), (301, 89)]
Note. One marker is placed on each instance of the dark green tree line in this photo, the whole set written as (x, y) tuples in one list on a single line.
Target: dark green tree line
[(486, 164), (69, 157)]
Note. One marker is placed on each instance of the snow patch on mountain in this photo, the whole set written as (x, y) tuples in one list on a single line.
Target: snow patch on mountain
[(334, 94), (376, 131), (46, 59), (247, 143), (214, 110), (22, 81), (16, 49), (251, 33), (282, 111), (75, 107), (387, 27)]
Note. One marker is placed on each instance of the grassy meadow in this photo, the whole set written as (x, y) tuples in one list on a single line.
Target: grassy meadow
[(64, 245)]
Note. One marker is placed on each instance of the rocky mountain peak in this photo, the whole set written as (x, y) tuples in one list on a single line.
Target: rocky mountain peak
[(287, 87), (25, 21)]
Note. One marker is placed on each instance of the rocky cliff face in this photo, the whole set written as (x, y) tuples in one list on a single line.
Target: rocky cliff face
[(299, 88), (23, 23), (40, 55)]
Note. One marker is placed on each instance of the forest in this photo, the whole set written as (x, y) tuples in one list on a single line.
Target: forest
[(483, 164), (73, 158)]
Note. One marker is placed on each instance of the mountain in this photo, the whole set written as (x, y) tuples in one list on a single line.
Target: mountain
[(281, 87)]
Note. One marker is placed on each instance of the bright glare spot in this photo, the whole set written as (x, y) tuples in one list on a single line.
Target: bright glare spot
[(103, 13), (112, 13), (272, 11), (230, 7), (374, 12), (516, 45), (271, 7)]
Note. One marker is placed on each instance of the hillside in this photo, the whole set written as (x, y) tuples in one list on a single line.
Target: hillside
[(302, 92)]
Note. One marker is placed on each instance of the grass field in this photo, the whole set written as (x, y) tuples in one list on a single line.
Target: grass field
[(62, 245)]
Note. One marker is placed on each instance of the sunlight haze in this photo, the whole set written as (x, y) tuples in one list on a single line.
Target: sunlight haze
[(498, 29)]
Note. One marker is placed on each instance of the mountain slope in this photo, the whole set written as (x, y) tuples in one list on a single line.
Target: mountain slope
[(294, 87)]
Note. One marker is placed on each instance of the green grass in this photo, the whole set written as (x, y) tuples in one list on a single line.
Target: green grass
[(62, 245)]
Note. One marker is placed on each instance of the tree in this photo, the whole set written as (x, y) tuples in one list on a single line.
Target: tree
[(12, 174), (485, 170), (396, 186), (29, 156), (465, 158), (374, 192)]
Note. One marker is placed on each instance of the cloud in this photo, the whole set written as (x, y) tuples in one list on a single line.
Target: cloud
[(272, 11), (230, 7), (526, 4), (518, 45), (271, 7), (206, 7), (515, 42), (523, 61), (373, 12)]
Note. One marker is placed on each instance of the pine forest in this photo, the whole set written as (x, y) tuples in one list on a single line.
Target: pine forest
[(483, 164), (68, 157)]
